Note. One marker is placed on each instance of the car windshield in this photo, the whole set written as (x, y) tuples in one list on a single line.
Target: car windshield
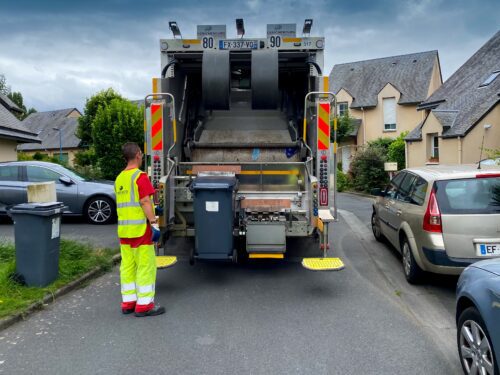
[(72, 174), (469, 196)]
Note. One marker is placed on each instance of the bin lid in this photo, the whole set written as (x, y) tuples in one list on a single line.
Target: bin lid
[(45, 208), (214, 183)]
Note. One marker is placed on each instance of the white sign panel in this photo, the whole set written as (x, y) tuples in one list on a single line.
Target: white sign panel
[(282, 29), (56, 225), (212, 206), (214, 31), (390, 167)]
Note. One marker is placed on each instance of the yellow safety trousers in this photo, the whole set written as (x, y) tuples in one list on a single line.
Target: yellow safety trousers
[(138, 274)]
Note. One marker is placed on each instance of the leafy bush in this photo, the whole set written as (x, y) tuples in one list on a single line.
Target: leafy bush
[(37, 156), (90, 172), (367, 168), (383, 142), (343, 181), (115, 124), (85, 158), (396, 151), (345, 124)]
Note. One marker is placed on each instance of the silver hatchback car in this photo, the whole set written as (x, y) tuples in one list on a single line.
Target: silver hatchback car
[(441, 218), (95, 200)]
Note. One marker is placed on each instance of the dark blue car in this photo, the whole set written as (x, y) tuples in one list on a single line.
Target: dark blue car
[(478, 317)]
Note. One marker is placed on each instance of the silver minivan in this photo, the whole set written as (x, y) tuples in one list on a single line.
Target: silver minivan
[(441, 218)]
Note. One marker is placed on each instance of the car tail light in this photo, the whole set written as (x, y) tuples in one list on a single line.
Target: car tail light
[(487, 175), (432, 217)]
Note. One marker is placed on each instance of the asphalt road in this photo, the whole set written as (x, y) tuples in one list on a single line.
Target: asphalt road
[(256, 318)]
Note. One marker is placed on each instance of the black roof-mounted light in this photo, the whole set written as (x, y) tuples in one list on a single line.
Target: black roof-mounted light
[(175, 29), (240, 27), (307, 26)]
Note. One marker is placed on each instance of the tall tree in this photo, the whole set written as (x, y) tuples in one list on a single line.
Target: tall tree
[(17, 98), (115, 124), (101, 99), (4, 88)]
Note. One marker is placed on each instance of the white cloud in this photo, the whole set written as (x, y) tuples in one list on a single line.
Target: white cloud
[(60, 60)]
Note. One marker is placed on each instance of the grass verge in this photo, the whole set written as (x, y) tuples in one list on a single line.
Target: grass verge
[(75, 260)]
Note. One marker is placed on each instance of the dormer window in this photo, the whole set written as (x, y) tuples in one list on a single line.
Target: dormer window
[(490, 79)]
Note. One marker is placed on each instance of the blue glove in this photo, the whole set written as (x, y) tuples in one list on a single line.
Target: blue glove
[(156, 232)]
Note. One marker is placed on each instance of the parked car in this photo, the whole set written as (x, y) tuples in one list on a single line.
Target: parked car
[(478, 314), (494, 161), (93, 199), (441, 218)]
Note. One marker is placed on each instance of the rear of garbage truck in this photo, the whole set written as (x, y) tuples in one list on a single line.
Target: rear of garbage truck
[(238, 140)]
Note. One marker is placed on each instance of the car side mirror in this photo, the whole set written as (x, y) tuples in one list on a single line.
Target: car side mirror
[(378, 192), (66, 180)]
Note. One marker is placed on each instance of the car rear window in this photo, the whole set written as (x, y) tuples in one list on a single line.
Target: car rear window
[(469, 196)]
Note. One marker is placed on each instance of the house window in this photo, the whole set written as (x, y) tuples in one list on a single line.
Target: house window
[(343, 108), (490, 78), (389, 106), (433, 147)]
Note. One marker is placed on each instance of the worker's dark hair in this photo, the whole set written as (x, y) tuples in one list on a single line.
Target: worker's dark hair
[(129, 150)]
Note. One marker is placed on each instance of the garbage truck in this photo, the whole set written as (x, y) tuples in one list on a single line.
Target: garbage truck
[(237, 133)]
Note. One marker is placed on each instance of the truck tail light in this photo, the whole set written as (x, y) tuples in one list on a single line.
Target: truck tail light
[(432, 217)]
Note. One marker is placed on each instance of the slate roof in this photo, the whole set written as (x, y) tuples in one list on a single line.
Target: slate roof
[(139, 102), (409, 74), (356, 124), (12, 128), (44, 122), (9, 104), (460, 102)]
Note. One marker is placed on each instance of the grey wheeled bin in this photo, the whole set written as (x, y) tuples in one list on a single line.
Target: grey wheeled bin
[(37, 238), (213, 217)]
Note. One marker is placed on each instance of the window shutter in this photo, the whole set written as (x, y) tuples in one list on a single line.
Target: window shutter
[(389, 113)]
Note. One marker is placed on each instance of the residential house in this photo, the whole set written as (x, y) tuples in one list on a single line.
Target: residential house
[(383, 95), (57, 129), (461, 114), (12, 131)]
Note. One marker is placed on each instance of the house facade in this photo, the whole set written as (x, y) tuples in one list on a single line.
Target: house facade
[(462, 118), (55, 128), (383, 95), (12, 131)]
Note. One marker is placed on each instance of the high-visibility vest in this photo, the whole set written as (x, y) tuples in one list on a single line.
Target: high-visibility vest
[(131, 218)]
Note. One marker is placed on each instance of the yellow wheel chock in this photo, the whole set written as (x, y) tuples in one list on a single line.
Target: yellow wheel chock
[(325, 263), (165, 261)]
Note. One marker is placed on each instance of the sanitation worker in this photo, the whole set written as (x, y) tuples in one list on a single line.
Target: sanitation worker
[(137, 230)]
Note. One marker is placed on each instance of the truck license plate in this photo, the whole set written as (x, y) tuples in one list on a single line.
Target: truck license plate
[(238, 44), (487, 249)]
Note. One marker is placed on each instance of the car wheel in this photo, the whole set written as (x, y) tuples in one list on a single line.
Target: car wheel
[(474, 344), (377, 233), (99, 210), (411, 269)]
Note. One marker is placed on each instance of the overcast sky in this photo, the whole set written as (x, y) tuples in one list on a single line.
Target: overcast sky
[(60, 52)]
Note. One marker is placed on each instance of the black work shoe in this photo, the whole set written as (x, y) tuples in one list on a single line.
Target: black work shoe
[(157, 310), (127, 311)]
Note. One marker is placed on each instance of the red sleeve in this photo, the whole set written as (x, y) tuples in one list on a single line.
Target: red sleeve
[(144, 185)]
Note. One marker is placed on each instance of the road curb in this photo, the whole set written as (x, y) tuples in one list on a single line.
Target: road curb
[(365, 195), (51, 298)]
